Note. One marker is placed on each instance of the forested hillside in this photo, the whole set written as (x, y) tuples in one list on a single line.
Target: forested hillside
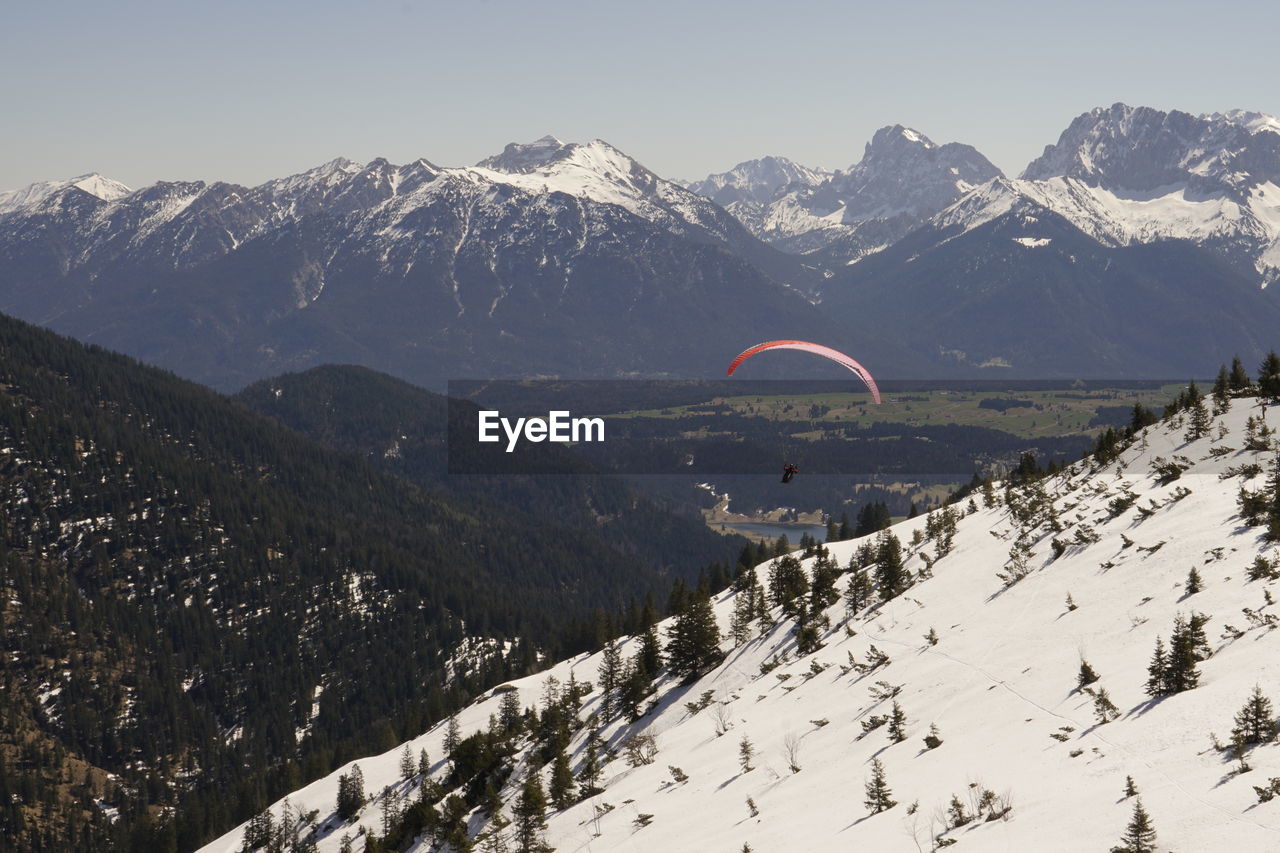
[(202, 609)]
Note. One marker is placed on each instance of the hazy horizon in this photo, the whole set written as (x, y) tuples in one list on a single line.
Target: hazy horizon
[(141, 91)]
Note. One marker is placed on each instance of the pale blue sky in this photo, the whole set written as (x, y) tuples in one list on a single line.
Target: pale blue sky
[(246, 91)]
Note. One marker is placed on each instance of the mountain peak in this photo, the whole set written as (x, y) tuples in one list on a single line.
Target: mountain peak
[(1141, 149), (1251, 120), (103, 188), (525, 157), (895, 137), (756, 180), (93, 184)]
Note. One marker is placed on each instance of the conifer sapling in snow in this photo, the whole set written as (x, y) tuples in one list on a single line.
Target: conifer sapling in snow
[(879, 797), (1193, 584), (897, 723), (1130, 787), (452, 736), (1139, 835), (1103, 708), (1255, 723), (957, 815), (745, 752), (1086, 676), (407, 768)]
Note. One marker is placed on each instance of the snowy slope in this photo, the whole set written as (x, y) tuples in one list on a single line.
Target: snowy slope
[(1247, 222), (999, 684)]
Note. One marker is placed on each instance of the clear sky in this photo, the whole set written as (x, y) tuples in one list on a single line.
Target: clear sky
[(246, 91)]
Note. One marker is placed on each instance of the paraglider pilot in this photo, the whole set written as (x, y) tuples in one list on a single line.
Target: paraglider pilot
[(788, 472)]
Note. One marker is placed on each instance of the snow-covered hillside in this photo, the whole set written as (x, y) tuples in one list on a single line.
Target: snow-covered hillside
[(1000, 685)]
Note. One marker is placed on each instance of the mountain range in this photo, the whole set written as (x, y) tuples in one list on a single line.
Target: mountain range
[(573, 259)]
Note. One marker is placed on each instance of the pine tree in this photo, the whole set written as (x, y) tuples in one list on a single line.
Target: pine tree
[(510, 715), (1221, 391), (610, 675), (1193, 584), (351, 795), (452, 736), (1238, 380), (822, 590), (561, 786), (424, 763), (1086, 676), (693, 646), (1269, 376), (897, 723), (589, 772), (957, 814), (1255, 722), (407, 768), (1130, 788), (1186, 649), (1157, 684), (1199, 422), (530, 816), (1273, 502), (636, 686), (745, 753), (741, 623), (859, 591), (879, 797), (1103, 708), (261, 830), (390, 809), (787, 585), (1140, 835), (891, 575), (650, 653)]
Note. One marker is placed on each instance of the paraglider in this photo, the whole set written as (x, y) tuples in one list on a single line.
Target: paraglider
[(788, 472), (817, 349)]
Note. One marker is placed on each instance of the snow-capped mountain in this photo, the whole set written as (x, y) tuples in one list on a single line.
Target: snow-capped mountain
[(1018, 663), (1127, 175), (901, 180), (756, 181), (555, 256)]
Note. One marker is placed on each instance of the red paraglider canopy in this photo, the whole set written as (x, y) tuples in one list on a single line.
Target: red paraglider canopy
[(817, 349)]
